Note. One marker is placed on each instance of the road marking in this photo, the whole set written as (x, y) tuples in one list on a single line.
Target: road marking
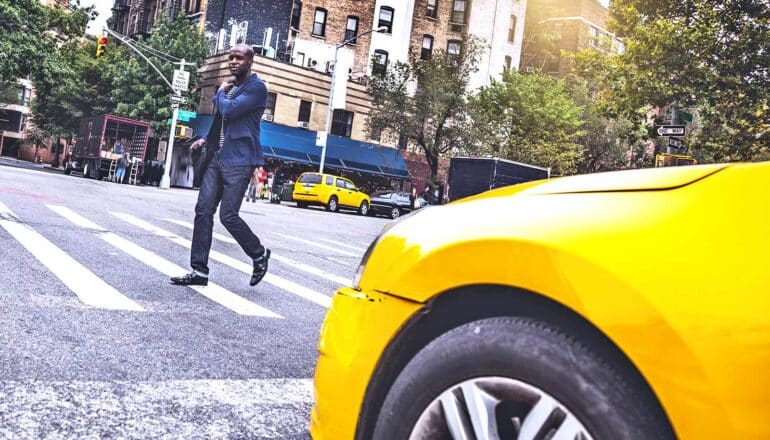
[(321, 246), (289, 286), (355, 248), (192, 408), (187, 225), (287, 261), (213, 291), (88, 287)]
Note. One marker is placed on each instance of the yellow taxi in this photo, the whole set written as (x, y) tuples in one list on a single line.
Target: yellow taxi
[(332, 192), (624, 305)]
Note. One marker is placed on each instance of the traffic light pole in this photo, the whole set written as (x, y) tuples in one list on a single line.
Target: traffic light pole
[(165, 181)]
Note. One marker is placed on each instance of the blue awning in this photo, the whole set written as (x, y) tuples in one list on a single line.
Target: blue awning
[(298, 145)]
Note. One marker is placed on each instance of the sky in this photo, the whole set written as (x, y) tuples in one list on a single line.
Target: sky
[(103, 7)]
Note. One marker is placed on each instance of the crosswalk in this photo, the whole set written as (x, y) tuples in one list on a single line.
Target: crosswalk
[(94, 292)]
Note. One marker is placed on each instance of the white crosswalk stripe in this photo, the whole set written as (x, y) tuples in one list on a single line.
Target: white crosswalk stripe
[(282, 283), (213, 291), (287, 261), (88, 287), (337, 243), (320, 246), (187, 225)]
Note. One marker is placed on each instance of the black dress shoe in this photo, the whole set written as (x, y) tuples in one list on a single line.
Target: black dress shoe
[(260, 268), (190, 279)]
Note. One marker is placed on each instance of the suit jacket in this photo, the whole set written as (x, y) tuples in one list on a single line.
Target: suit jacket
[(242, 115)]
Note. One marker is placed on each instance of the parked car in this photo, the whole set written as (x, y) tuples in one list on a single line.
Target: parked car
[(624, 305), (332, 192), (394, 203)]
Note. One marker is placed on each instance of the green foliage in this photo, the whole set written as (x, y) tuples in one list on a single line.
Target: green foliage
[(702, 54), (72, 84), (138, 91), (527, 118), (30, 32), (425, 101)]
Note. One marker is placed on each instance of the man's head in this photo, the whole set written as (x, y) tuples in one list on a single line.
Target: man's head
[(240, 60)]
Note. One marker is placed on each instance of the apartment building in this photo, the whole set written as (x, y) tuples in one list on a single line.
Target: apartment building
[(138, 17), (570, 26)]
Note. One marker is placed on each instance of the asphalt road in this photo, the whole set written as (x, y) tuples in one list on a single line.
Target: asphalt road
[(95, 342)]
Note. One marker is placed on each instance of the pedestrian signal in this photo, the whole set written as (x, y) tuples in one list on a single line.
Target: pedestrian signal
[(101, 42), (183, 131)]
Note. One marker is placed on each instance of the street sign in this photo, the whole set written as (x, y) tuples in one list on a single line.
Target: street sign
[(178, 99), (671, 130), (174, 105), (187, 115), (181, 80), (675, 142)]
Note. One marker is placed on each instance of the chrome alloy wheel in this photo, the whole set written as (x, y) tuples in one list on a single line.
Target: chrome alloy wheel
[(495, 408)]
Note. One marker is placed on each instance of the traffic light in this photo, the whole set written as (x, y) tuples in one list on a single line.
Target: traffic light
[(101, 42)]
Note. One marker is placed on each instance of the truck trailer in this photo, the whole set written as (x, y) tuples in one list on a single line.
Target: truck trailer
[(473, 175), (93, 152)]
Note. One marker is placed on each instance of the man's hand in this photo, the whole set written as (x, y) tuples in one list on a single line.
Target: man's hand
[(226, 86), (197, 144)]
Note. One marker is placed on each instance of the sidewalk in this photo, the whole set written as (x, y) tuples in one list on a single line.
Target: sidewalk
[(16, 163)]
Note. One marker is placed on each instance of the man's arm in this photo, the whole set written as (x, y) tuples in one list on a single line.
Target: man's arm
[(249, 100)]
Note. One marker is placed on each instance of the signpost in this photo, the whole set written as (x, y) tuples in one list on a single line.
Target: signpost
[(181, 81), (185, 115), (675, 142), (671, 130)]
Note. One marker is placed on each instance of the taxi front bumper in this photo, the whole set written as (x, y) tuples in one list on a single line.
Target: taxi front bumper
[(357, 329)]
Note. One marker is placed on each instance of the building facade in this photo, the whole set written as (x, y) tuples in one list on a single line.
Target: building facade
[(566, 25), (137, 17)]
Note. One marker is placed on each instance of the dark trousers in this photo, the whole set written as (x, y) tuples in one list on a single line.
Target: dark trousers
[(226, 185)]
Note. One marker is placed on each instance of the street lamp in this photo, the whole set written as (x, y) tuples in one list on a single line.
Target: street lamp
[(330, 110)]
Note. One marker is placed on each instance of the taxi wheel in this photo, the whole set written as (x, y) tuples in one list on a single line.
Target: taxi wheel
[(332, 205), (514, 378), (364, 208)]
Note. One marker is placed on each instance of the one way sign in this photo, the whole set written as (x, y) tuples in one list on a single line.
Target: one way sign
[(671, 130)]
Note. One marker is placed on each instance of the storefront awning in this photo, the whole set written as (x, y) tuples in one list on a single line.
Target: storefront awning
[(298, 145)]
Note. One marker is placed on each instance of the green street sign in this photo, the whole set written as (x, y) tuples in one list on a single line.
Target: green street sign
[(187, 115)]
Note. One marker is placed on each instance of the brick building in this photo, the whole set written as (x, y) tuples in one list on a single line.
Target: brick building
[(571, 26), (137, 17)]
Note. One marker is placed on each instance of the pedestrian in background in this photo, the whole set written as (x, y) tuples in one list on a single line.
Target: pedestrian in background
[(120, 172), (251, 193), (234, 140)]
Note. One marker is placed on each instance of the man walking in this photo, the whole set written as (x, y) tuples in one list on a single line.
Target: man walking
[(234, 140)]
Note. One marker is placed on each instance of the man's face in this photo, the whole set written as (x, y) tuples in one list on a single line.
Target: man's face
[(240, 61)]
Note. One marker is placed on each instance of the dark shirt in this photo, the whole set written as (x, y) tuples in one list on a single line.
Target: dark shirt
[(240, 116)]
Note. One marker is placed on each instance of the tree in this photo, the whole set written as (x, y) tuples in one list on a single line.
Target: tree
[(138, 91), (424, 101), (73, 84), (528, 118), (707, 55), (30, 33)]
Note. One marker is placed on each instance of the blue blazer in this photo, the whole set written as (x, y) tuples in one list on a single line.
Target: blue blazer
[(242, 115)]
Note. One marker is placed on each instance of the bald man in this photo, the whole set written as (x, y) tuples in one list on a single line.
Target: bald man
[(234, 141)]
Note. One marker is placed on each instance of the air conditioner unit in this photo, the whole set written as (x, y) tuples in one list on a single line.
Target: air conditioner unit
[(530, 69), (303, 124), (267, 117)]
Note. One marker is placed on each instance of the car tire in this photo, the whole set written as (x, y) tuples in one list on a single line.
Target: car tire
[(301, 205), (67, 170), (395, 213), (86, 170), (364, 208), (489, 352), (332, 206)]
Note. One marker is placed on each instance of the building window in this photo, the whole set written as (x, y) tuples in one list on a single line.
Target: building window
[(22, 123), (380, 62), (342, 123), (432, 11), (296, 14), (319, 22), (427, 47), (24, 95), (453, 48), (458, 12), (512, 29), (304, 111), (386, 19), (352, 29), (270, 107)]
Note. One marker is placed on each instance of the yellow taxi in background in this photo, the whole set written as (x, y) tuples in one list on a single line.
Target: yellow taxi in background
[(330, 191), (624, 305)]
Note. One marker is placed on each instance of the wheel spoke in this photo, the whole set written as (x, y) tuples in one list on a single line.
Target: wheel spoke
[(570, 429), (455, 417), (537, 418), (481, 408)]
